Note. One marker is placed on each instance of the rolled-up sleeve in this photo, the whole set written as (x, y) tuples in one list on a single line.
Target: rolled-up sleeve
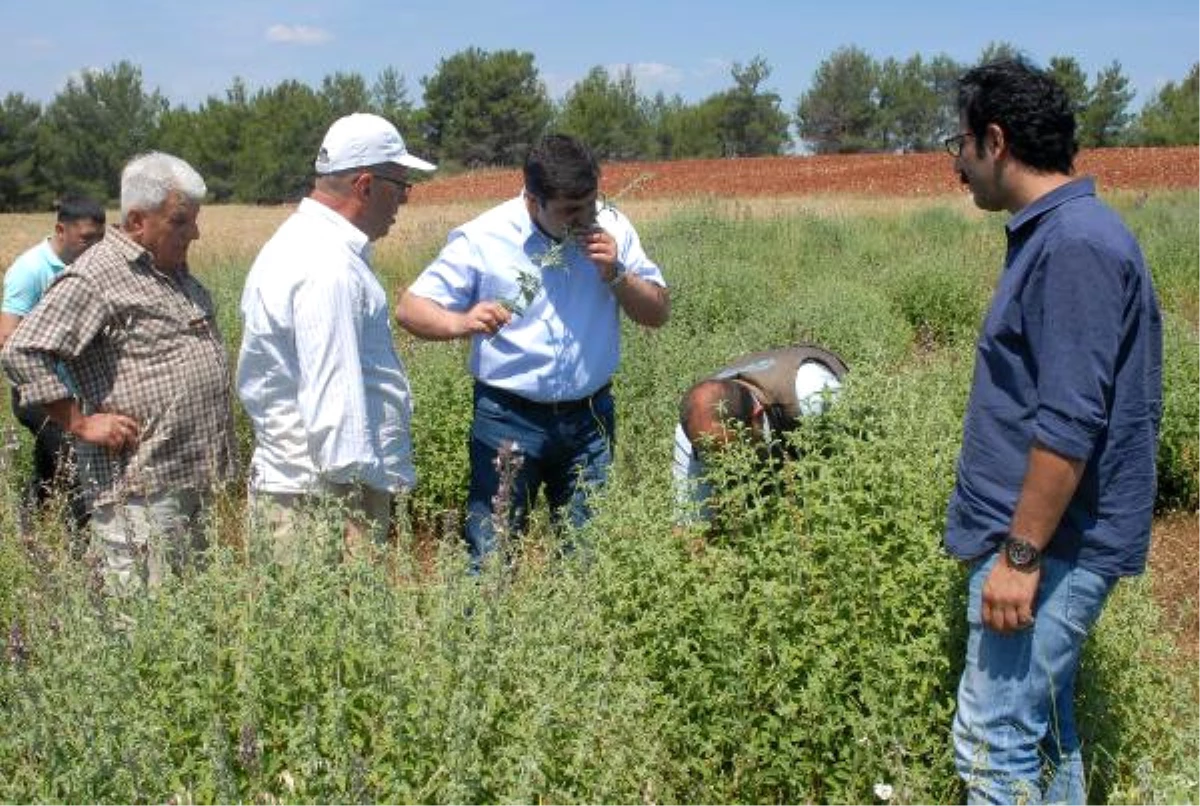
[(1080, 322), (59, 329), (629, 248)]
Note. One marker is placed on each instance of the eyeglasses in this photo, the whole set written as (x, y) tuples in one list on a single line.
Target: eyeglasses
[(954, 145), (403, 185)]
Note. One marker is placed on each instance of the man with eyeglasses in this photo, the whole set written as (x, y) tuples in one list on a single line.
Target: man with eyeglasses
[(318, 373), (539, 284), (124, 354), (1056, 478)]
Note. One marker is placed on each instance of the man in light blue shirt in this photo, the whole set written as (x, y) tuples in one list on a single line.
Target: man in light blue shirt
[(79, 224), (538, 284)]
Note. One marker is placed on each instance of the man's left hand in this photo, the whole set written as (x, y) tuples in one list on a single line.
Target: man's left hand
[(601, 248), (1008, 597)]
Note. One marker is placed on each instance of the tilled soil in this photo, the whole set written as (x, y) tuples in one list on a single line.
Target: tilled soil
[(928, 174)]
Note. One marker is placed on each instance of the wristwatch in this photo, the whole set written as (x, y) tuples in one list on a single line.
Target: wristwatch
[(1021, 554), (620, 275)]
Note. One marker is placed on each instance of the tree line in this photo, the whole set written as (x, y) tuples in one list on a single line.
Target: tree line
[(482, 108)]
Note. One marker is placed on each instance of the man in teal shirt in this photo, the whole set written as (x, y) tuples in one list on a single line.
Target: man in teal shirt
[(79, 224)]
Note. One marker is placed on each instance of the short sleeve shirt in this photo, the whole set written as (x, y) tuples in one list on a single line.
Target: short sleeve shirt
[(28, 278), (140, 342), (564, 341)]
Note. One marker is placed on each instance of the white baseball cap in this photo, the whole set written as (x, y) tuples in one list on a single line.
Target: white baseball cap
[(360, 140)]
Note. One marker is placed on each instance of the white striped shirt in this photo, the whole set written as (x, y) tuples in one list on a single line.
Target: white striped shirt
[(318, 371)]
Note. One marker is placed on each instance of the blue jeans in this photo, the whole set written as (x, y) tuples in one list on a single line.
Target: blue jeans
[(518, 447), (1016, 699)]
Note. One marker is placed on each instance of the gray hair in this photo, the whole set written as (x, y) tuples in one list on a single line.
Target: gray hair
[(149, 178)]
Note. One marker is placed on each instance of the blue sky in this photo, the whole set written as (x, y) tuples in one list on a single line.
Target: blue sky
[(193, 50)]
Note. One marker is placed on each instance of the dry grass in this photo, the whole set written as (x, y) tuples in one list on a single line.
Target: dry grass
[(1175, 574), (233, 234)]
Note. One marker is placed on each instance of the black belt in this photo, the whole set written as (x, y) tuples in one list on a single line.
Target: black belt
[(515, 401)]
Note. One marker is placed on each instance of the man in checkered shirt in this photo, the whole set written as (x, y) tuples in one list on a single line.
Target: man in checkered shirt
[(137, 334)]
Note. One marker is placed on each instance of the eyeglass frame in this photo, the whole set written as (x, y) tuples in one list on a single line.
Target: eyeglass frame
[(403, 184), (954, 144)]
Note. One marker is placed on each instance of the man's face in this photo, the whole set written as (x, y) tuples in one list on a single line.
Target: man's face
[(74, 237), (388, 189), (166, 232), (977, 168), (556, 215)]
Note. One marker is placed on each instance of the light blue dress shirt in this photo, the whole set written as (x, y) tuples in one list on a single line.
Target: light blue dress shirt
[(565, 342)]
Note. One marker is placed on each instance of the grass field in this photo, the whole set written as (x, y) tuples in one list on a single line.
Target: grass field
[(806, 654)]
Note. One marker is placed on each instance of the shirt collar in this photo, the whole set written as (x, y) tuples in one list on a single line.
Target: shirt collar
[(1074, 189), (133, 252), (353, 237), (51, 257)]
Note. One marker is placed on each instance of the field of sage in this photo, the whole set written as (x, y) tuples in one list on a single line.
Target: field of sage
[(806, 653)]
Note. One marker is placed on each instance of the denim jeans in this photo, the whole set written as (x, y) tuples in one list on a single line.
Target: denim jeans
[(518, 447), (1014, 729)]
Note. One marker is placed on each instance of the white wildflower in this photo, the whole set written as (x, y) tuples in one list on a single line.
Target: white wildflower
[(883, 791)]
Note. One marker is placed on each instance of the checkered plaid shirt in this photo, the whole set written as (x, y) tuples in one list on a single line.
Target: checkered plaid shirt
[(140, 342)]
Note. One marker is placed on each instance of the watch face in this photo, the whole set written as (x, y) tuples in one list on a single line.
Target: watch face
[(1020, 554)]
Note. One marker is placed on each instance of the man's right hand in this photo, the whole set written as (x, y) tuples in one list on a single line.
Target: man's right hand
[(427, 319), (116, 432), (486, 318)]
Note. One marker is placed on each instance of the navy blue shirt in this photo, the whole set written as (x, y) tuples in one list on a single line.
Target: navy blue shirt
[(1070, 356)]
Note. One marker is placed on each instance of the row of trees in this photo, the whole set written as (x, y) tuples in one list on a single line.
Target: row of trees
[(485, 108)]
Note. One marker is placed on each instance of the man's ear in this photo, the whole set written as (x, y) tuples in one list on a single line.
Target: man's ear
[(362, 183), (531, 203), (994, 140), (134, 221)]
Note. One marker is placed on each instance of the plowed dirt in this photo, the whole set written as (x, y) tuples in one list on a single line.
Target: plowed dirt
[(865, 174)]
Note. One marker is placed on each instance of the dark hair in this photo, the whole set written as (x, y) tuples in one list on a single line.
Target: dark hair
[(1028, 105), (560, 167), (72, 208)]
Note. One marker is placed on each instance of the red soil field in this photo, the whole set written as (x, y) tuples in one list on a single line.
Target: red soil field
[(928, 174)]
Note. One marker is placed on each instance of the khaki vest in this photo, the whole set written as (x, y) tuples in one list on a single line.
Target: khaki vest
[(772, 373)]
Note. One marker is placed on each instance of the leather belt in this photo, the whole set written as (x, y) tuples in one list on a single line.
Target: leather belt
[(515, 401)]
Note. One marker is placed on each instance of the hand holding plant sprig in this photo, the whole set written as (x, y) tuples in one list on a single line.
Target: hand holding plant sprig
[(586, 236), (579, 230)]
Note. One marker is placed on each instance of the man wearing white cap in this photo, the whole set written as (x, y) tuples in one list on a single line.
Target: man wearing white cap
[(318, 373)]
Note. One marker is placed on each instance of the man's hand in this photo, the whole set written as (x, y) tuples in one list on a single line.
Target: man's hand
[(601, 248), (116, 432), (1008, 597), (486, 318)]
